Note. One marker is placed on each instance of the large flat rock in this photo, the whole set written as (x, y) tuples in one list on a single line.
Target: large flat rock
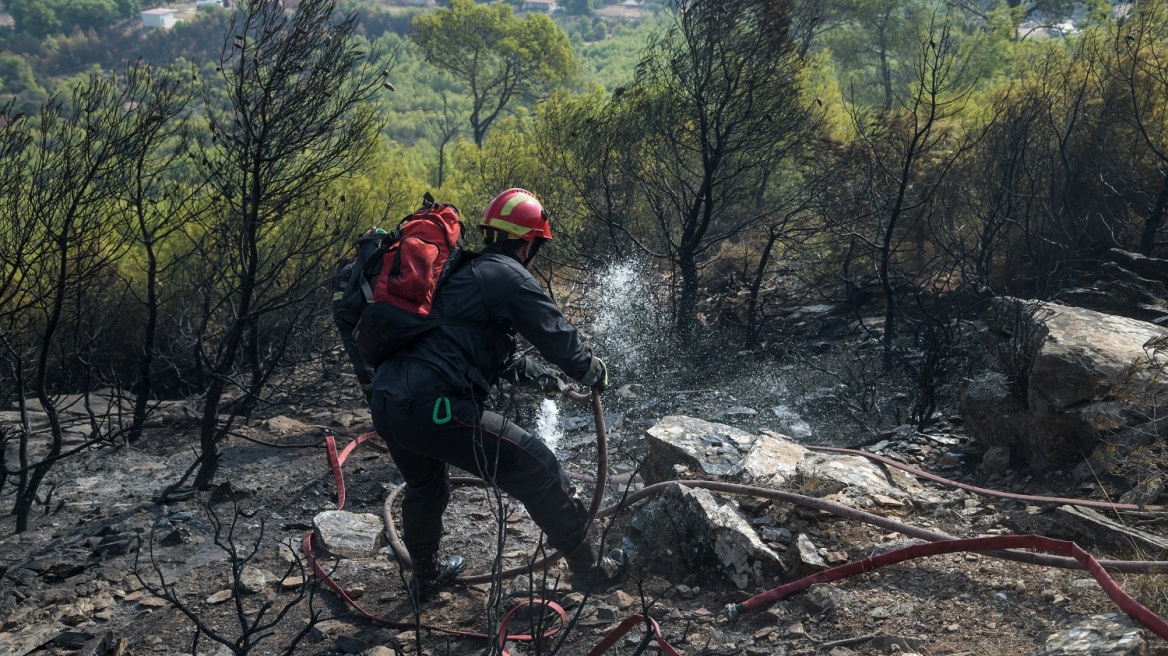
[(683, 447), (349, 535)]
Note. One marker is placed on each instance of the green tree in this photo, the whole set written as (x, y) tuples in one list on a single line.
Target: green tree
[(17, 79), (1051, 10), (578, 7), (44, 17), (499, 57), (36, 17), (869, 39)]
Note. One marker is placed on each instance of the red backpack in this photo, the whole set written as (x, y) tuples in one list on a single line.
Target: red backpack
[(388, 298)]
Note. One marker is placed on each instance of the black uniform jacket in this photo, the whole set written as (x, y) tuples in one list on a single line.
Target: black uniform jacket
[(467, 351)]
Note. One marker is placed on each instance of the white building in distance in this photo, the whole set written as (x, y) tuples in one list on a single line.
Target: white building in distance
[(158, 17)]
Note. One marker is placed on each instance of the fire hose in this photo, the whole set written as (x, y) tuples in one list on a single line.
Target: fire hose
[(1073, 557), (1106, 505)]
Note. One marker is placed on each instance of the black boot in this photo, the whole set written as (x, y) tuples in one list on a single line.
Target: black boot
[(590, 574), (432, 573)]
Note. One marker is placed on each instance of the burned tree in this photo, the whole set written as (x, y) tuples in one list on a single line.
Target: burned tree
[(295, 120), (156, 197), (716, 110), (1137, 63), (896, 165), (58, 297)]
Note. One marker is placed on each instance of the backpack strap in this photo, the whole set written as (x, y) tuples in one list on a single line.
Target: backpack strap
[(366, 290)]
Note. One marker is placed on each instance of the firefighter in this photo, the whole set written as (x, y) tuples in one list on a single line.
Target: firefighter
[(428, 399)]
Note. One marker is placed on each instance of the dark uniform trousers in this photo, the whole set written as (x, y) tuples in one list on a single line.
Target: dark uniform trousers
[(426, 434)]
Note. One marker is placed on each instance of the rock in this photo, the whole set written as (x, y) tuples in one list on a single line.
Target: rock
[(1145, 492), (1100, 528), (176, 537), (153, 602), (791, 423), (291, 582), (77, 614), (520, 586), (627, 392), (685, 530), (887, 501), (623, 600), (737, 411), (1083, 356), (808, 553), (349, 535), (253, 579), (715, 451), (99, 645), (219, 597), (905, 481), (828, 598), (114, 544), (352, 645), (575, 423), (286, 426), (771, 461), (772, 534), (996, 460), (834, 557), (1130, 285), (709, 449), (72, 639), (379, 650), (56, 569), (30, 639), (331, 629), (1113, 634), (1112, 455), (1149, 268)]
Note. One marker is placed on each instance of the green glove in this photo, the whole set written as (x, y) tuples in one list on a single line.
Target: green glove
[(597, 375)]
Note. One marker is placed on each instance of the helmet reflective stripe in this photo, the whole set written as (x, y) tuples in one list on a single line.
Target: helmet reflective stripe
[(506, 226), (512, 202)]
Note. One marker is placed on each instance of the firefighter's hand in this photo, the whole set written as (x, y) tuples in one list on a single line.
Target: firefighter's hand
[(550, 384), (597, 375), (530, 373)]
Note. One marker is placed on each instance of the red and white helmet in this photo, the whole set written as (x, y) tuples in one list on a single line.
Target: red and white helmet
[(519, 214)]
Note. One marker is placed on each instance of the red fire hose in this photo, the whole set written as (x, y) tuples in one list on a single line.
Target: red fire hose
[(1000, 547), (1125, 602)]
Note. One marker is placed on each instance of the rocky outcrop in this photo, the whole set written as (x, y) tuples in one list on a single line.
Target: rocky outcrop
[(1080, 386), (685, 531), (693, 531), (1128, 285), (685, 447)]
